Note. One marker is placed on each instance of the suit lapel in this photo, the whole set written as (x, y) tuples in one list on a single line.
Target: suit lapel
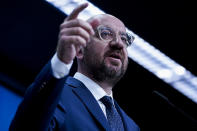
[(89, 101), (122, 116), (129, 125)]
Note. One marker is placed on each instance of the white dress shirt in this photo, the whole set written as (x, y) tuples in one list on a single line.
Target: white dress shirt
[(61, 69), (94, 88)]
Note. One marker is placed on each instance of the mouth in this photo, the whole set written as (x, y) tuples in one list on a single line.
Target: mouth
[(115, 56)]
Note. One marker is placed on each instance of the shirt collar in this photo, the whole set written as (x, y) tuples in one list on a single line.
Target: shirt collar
[(96, 90)]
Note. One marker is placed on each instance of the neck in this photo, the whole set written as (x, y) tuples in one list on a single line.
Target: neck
[(106, 85)]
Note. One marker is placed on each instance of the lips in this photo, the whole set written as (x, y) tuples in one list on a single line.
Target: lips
[(115, 55)]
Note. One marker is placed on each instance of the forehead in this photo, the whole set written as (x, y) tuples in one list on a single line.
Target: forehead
[(109, 21)]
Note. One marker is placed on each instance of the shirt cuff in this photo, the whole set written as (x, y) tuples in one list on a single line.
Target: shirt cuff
[(59, 68)]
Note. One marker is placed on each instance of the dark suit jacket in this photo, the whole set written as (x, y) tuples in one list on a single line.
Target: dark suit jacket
[(64, 105)]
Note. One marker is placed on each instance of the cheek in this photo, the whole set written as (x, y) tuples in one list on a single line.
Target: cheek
[(95, 52), (98, 54), (97, 48), (125, 57)]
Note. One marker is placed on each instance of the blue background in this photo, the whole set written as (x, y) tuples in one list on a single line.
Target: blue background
[(9, 102)]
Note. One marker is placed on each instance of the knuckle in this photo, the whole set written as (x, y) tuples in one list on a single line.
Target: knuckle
[(62, 25), (79, 22), (62, 32), (77, 38), (78, 30), (80, 40), (63, 38)]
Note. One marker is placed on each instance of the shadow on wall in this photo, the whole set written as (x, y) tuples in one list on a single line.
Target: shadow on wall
[(9, 102)]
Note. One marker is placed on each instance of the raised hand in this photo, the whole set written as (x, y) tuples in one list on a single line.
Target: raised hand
[(74, 35)]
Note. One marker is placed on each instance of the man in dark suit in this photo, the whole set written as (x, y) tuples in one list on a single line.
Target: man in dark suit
[(56, 101)]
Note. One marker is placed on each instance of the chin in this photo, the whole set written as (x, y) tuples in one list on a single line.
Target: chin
[(113, 70)]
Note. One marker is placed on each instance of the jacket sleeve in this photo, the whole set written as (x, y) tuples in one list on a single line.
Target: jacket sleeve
[(41, 98)]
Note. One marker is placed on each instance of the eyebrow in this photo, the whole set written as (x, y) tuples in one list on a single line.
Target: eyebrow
[(123, 33), (120, 32)]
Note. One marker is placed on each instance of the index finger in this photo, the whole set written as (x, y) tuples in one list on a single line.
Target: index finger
[(76, 11)]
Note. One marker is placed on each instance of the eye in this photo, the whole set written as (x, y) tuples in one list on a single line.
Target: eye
[(124, 39), (106, 35)]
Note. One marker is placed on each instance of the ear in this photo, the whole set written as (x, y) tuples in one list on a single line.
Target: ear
[(79, 53)]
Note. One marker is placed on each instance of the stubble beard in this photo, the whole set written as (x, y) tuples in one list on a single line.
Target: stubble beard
[(100, 71)]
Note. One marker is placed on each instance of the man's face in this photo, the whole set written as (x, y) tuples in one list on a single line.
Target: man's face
[(107, 59)]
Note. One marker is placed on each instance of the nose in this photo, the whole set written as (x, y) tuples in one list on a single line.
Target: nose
[(117, 43)]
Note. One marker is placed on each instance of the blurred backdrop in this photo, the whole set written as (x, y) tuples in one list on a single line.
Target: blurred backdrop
[(28, 38)]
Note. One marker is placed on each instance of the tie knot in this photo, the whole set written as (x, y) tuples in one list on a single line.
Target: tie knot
[(107, 101)]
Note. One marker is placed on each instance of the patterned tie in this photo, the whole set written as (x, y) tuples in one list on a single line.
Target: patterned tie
[(113, 116)]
